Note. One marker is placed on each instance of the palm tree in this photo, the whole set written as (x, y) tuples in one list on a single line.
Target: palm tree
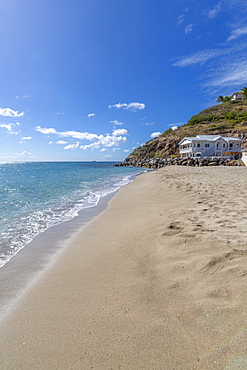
[(244, 91), (220, 99)]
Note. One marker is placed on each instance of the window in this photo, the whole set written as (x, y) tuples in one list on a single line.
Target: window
[(198, 145), (224, 145), (206, 145), (231, 145)]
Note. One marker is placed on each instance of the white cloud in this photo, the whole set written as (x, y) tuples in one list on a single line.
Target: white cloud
[(237, 33), (8, 112), (107, 141), (225, 68), (149, 123), (62, 142), (213, 12), (50, 142), (200, 57), (95, 145), (119, 105), (24, 96), (155, 134), (120, 131), (136, 106), (230, 75), (126, 150), (115, 149), (131, 106), (188, 28), (23, 154), (116, 122), (103, 150), (222, 68), (91, 115), (9, 127), (78, 135), (46, 131), (72, 146), (108, 156), (180, 19), (236, 5), (115, 139), (23, 139), (174, 126)]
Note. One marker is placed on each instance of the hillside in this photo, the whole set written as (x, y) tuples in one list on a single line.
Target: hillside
[(226, 119)]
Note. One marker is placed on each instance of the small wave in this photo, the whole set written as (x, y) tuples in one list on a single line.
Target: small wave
[(27, 226)]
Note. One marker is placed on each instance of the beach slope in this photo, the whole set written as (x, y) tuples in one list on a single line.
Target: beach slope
[(157, 281)]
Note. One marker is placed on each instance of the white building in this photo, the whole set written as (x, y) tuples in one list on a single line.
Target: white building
[(208, 146), (244, 156), (238, 96)]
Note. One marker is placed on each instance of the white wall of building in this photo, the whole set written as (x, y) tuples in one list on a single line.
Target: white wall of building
[(244, 157)]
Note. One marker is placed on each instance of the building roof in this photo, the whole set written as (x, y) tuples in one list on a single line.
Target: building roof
[(187, 140), (200, 138), (228, 138), (208, 137)]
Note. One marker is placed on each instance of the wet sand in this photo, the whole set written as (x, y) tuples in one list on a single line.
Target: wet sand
[(157, 281)]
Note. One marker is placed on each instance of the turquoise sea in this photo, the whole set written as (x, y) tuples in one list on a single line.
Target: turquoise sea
[(36, 196)]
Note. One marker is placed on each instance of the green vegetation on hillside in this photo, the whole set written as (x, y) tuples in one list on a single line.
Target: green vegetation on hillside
[(227, 119)]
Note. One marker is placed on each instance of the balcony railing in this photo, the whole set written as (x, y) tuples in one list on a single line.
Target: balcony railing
[(202, 149)]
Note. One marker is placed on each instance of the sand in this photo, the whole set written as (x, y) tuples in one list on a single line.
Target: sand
[(157, 281)]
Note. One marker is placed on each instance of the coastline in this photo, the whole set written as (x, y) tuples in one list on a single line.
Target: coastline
[(156, 281), (24, 268)]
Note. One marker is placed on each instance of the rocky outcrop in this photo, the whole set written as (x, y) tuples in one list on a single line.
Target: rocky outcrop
[(162, 162), (226, 119)]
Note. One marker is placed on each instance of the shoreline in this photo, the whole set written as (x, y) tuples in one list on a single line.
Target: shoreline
[(157, 280), (30, 262), (24, 268)]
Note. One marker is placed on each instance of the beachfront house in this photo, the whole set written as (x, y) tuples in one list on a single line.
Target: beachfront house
[(209, 146), (238, 96), (244, 156)]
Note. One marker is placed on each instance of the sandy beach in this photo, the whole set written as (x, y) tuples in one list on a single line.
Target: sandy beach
[(157, 281)]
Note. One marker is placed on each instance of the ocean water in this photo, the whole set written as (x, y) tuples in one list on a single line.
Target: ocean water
[(36, 196)]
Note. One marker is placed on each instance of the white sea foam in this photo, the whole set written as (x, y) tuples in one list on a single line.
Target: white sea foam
[(42, 195)]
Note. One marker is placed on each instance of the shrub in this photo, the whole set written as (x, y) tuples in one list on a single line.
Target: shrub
[(200, 118), (218, 127), (232, 115), (167, 132)]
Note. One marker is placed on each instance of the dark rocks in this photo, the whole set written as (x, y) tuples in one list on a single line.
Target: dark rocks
[(162, 162)]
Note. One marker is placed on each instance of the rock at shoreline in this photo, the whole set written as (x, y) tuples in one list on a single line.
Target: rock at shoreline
[(162, 162)]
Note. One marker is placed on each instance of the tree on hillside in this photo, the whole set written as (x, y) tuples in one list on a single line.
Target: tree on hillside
[(244, 91), (220, 99), (227, 98)]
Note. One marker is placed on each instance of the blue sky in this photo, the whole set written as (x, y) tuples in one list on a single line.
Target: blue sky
[(91, 79)]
